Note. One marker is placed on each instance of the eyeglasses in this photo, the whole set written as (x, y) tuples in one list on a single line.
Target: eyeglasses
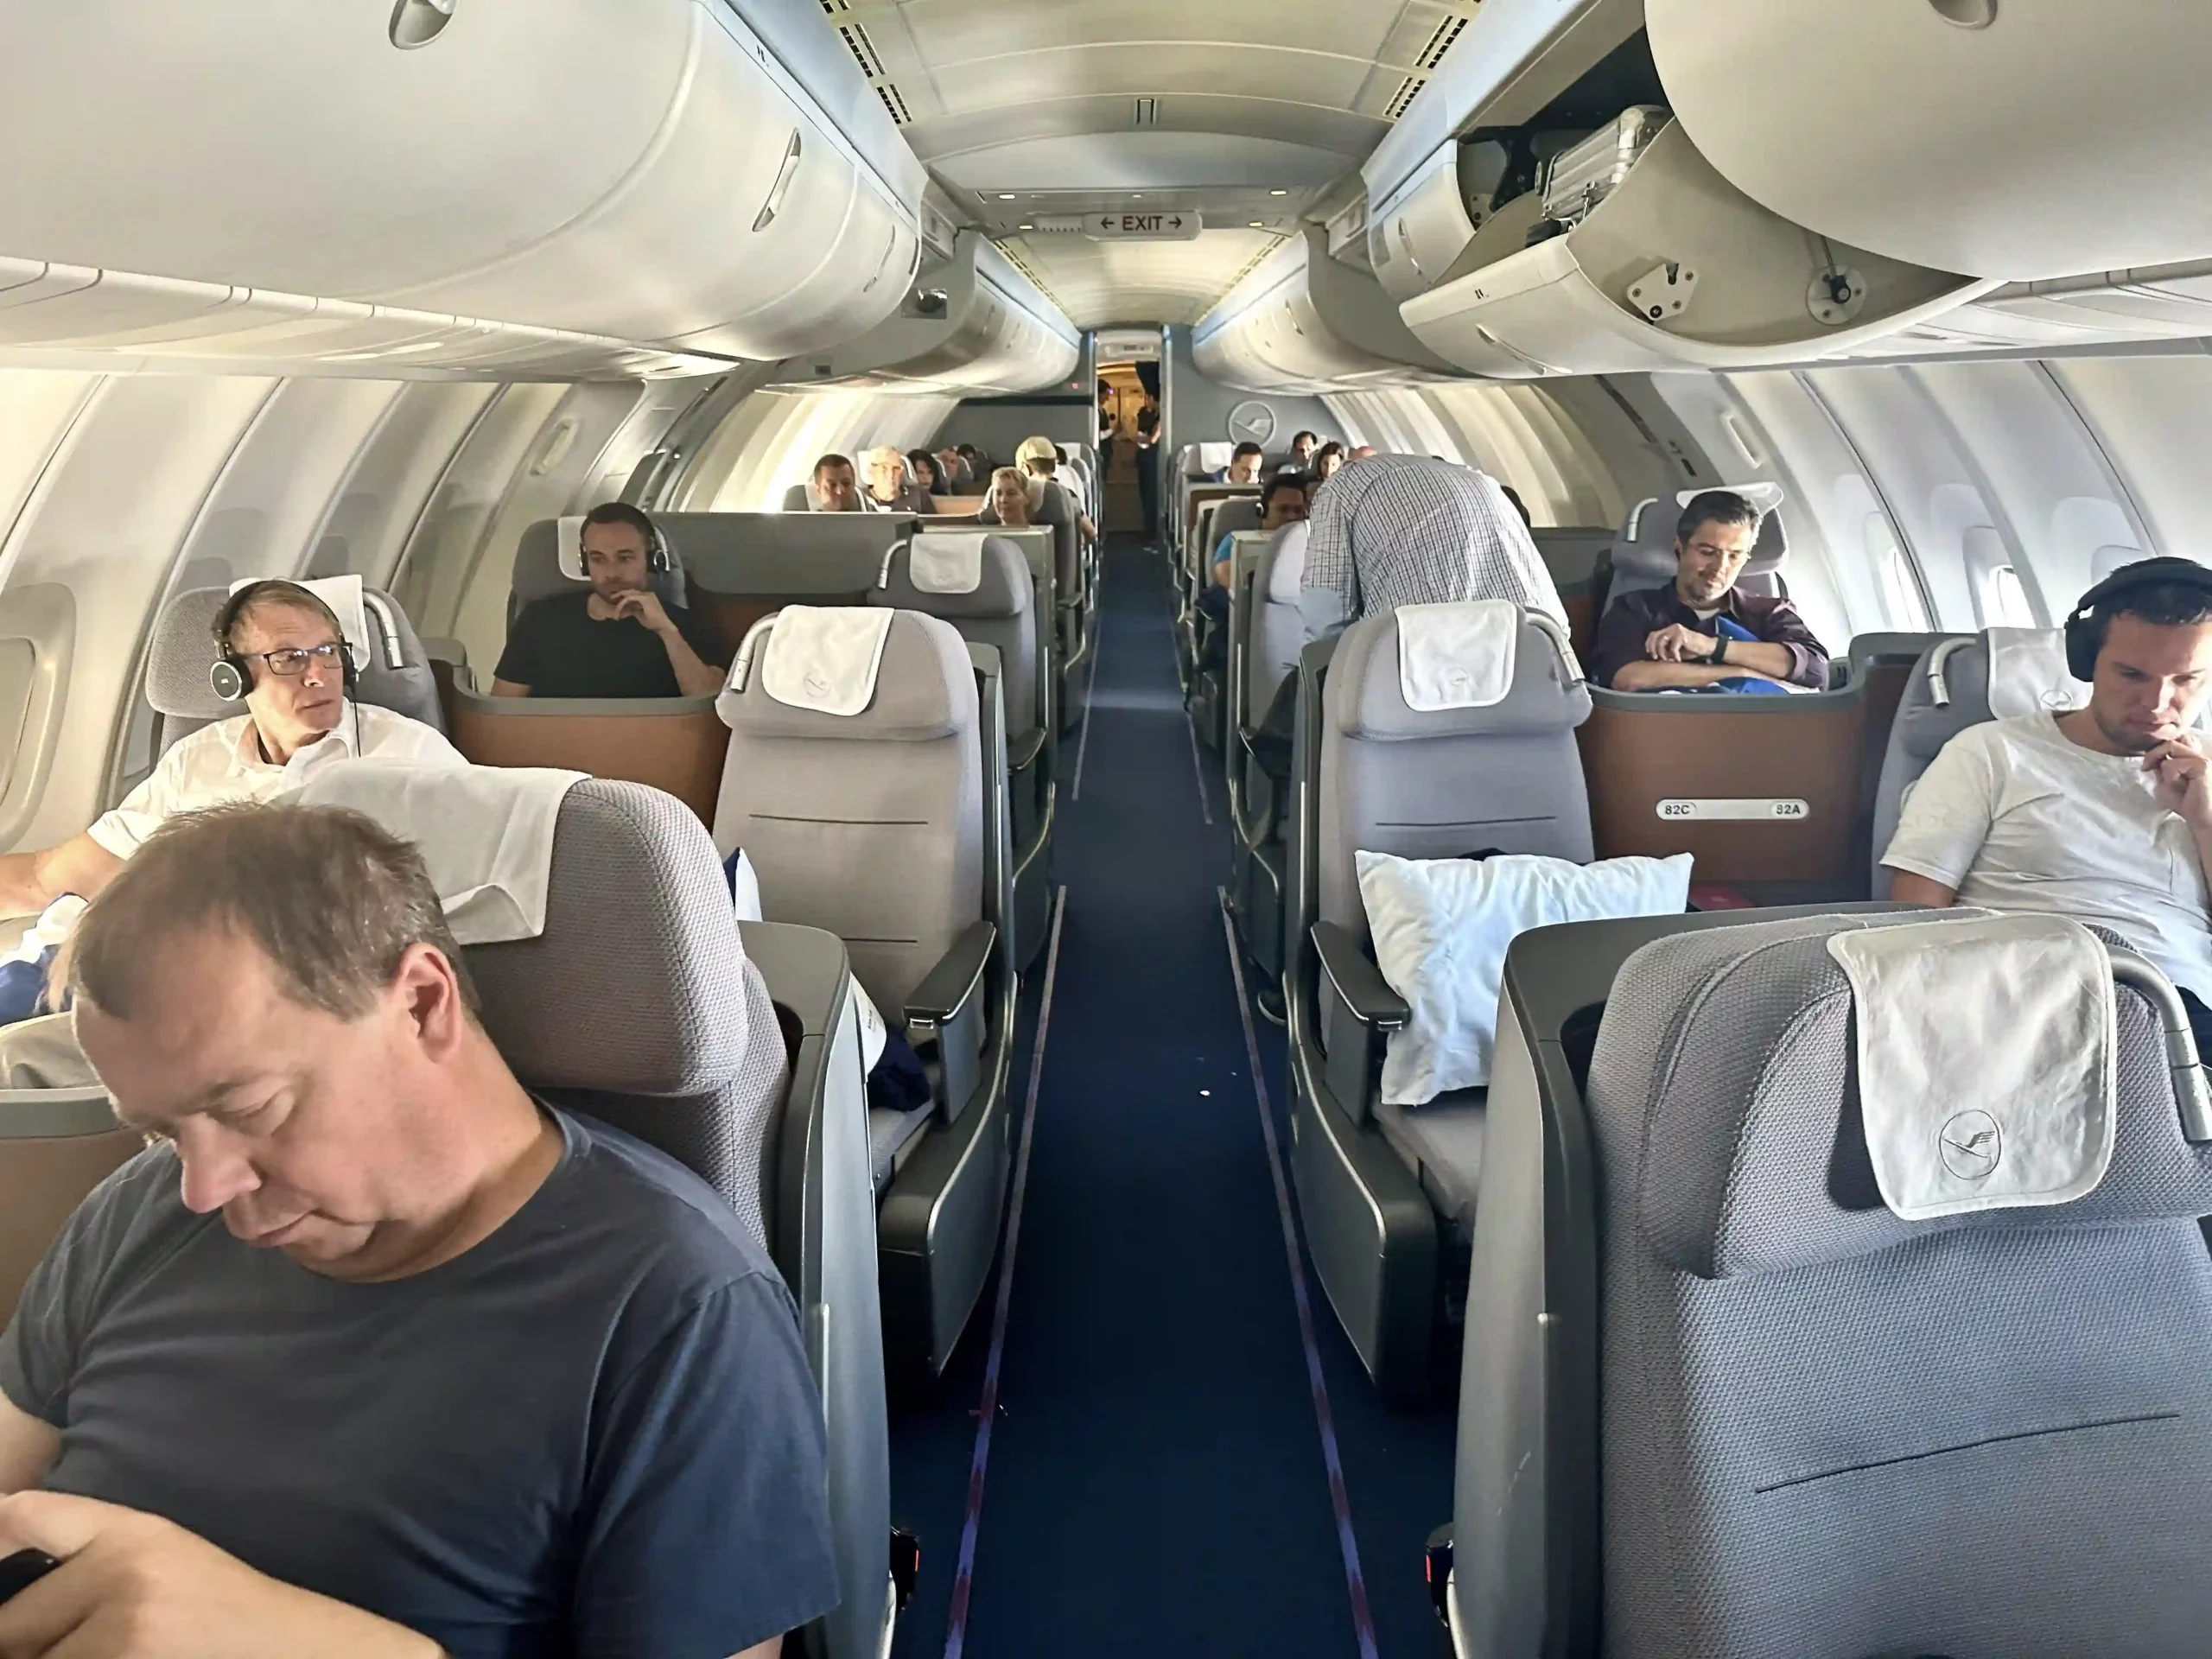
[(1708, 550), (294, 659)]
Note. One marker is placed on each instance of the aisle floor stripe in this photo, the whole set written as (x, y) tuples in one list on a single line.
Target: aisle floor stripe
[(1199, 767), (1362, 1617), (963, 1580), (1091, 691)]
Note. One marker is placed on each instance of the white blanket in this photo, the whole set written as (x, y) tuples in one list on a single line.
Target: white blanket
[(486, 833), (1441, 928), (343, 596), (946, 563), (2028, 673), (825, 660), (1456, 656), (1986, 1060)]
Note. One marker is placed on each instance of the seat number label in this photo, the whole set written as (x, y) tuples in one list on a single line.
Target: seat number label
[(1733, 810)]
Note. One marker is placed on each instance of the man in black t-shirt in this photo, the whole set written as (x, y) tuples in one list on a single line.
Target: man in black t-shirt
[(619, 638)]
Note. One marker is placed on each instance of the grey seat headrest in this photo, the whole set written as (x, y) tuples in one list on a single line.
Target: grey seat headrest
[(182, 650), (798, 498), (625, 992), (1241, 513), (1005, 588), (1365, 697), (924, 689), (1723, 1078)]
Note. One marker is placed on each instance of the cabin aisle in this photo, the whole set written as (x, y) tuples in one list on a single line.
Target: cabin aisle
[(1155, 1480)]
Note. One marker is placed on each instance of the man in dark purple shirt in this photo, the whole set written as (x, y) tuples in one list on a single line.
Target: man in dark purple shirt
[(1668, 638)]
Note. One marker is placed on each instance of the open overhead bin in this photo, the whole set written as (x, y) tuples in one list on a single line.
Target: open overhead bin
[(973, 326), (648, 171), (1633, 255), (2018, 138), (1303, 321)]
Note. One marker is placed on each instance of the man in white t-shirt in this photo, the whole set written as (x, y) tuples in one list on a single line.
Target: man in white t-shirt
[(2104, 814), (290, 650)]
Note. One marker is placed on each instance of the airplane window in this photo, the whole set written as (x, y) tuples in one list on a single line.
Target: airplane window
[(2008, 599), (1900, 586)]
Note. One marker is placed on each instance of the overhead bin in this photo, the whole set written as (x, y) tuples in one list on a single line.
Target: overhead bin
[(1303, 321), (973, 326), (2026, 139), (647, 171), (1672, 268), (1415, 236)]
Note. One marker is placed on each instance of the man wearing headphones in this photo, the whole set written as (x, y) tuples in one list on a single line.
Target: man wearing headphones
[(280, 651), (618, 638), (2103, 814)]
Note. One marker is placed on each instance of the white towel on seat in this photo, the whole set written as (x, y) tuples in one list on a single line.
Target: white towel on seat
[(1986, 1060), (946, 563), (486, 833), (569, 547), (1456, 656), (343, 596), (1288, 574), (2028, 673), (825, 660)]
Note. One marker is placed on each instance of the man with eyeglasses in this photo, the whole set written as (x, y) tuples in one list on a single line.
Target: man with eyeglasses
[(1699, 632), (291, 647)]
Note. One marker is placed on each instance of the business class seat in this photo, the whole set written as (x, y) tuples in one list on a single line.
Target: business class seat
[(1207, 695), (1380, 1186), (642, 1004), (1002, 610), (798, 498), (1719, 1399), (1578, 560), (1266, 631), (888, 828), (1952, 686), (1643, 557)]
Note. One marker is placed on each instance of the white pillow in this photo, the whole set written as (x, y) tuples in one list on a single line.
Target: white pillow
[(1441, 927)]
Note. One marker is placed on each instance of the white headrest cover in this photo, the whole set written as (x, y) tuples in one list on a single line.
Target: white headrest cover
[(947, 562), (825, 660), (1986, 1058), (1288, 574), (568, 546), (2028, 673), (343, 596), (1456, 656)]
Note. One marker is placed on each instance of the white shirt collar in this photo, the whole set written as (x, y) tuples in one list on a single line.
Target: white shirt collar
[(245, 752)]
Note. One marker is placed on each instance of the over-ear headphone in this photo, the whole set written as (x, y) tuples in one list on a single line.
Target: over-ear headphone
[(2084, 626), (231, 677)]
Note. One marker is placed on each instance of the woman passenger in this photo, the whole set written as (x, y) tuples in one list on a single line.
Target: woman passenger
[(927, 476), (1326, 460), (1009, 502)]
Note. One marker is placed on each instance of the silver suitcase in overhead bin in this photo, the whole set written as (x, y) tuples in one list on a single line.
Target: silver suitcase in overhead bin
[(1584, 174)]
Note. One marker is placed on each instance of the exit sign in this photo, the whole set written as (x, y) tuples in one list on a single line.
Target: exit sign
[(1169, 226)]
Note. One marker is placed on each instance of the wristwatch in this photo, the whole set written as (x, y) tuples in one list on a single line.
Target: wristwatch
[(1720, 649)]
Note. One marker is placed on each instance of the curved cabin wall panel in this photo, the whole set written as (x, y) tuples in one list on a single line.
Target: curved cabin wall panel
[(2015, 138), (1303, 322), (1561, 307), (561, 164)]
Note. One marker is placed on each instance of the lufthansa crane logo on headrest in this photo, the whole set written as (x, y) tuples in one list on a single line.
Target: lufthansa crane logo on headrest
[(1972, 1146), (2056, 698)]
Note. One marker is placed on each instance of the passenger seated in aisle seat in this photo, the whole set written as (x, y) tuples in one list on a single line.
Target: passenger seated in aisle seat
[(1243, 467), (1326, 460), (290, 651), (889, 488), (1672, 637), (1009, 504), (618, 638), (1410, 530), (1040, 458), (835, 487), (2103, 814), (455, 1372), (1302, 450), (971, 461), (1283, 501)]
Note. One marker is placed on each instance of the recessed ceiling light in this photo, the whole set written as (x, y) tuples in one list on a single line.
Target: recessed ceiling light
[(1278, 193), (1006, 195), (1029, 227), (1136, 195), (1259, 225)]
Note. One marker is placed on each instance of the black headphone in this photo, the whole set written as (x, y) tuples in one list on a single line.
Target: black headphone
[(231, 677), (2085, 625)]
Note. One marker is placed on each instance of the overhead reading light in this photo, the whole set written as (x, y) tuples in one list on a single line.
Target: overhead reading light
[(1006, 195), (1278, 193), (1028, 227), (1259, 225)]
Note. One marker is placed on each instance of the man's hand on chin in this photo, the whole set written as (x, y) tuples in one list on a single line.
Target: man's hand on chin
[(132, 1585)]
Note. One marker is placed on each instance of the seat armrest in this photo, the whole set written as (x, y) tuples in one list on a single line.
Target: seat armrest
[(1022, 752), (947, 990), (1356, 980)]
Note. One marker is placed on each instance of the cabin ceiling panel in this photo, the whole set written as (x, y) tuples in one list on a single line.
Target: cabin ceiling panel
[(1101, 283)]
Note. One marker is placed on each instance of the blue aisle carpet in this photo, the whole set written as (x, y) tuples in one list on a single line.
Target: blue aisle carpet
[(1155, 1483)]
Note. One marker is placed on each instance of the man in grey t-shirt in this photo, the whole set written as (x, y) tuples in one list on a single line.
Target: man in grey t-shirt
[(374, 1354)]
